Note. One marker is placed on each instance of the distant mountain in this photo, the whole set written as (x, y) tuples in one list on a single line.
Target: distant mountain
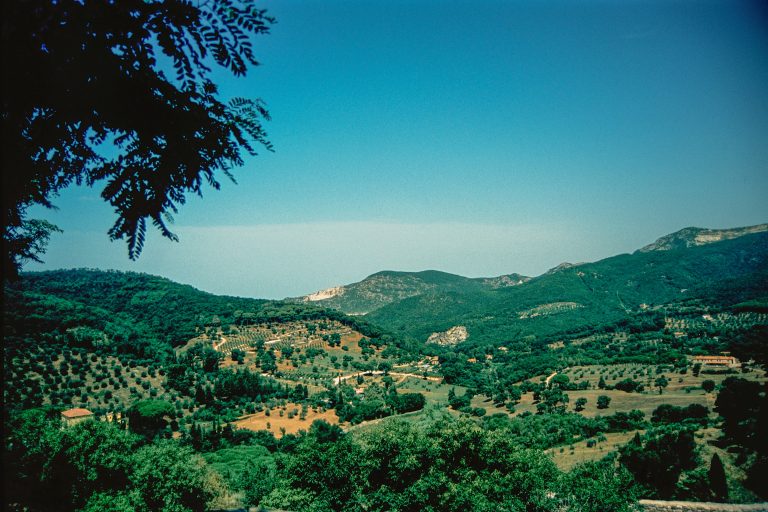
[(692, 237), (387, 287), (714, 267)]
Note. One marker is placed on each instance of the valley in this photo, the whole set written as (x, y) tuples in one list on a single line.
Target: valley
[(588, 367)]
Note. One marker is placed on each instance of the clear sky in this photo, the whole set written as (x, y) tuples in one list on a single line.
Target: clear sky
[(476, 137)]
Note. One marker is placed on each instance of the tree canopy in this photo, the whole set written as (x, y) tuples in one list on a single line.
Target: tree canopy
[(120, 94)]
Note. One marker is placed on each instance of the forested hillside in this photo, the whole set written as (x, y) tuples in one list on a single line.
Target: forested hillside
[(572, 298)]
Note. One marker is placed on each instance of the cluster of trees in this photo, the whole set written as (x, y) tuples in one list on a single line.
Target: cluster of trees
[(694, 413), (658, 458), (743, 405), (544, 431), (448, 466), (97, 466), (375, 402)]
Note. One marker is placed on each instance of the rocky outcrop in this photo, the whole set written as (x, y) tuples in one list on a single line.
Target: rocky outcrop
[(452, 336), (328, 293), (505, 281), (692, 237)]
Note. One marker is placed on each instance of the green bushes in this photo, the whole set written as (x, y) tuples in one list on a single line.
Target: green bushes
[(96, 466)]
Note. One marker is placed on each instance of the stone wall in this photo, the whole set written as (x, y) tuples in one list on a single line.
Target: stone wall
[(691, 506)]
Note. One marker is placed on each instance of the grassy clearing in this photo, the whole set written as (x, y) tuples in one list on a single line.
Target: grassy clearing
[(566, 457), (423, 418)]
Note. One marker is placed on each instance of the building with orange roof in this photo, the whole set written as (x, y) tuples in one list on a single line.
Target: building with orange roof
[(74, 416), (721, 360)]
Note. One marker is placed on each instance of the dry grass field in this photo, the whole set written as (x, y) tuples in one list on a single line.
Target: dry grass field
[(280, 425)]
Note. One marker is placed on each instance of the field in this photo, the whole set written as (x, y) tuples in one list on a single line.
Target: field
[(568, 456), (682, 390), (285, 420), (76, 378), (303, 354)]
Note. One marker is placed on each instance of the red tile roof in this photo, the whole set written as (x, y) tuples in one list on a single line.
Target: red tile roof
[(76, 413)]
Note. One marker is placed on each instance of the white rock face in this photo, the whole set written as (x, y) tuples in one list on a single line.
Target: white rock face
[(325, 294), (692, 237), (452, 336)]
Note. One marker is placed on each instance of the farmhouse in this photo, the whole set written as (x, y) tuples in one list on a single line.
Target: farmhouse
[(74, 416), (716, 360), (113, 417)]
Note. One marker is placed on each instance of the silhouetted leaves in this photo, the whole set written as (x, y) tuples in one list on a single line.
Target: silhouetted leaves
[(119, 93)]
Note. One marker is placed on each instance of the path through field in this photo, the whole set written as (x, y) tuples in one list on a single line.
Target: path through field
[(546, 382)]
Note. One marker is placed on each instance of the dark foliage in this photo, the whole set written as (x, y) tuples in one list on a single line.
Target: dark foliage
[(717, 479), (120, 93), (694, 413), (658, 458)]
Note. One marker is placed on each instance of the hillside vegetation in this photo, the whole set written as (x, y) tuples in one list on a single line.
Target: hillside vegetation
[(576, 390)]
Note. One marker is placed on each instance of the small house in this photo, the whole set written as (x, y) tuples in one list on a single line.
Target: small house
[(74, 416)]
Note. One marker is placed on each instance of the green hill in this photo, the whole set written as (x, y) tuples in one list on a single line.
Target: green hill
[(139, 313), (388, 287), (570, 298)]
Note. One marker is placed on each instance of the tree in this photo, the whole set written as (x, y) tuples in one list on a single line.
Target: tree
[(708, 385), (257, 480), (742, 404), (599, 487), (120, 93), (148, 417), (658, 460), (661, 383), (601, 383), (49, 468), (325, 432), (238, 355), (168, 477), (629, 386), (603, 401), (717, 481), (580, 404)]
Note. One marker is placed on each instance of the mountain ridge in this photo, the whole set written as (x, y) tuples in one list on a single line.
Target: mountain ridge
[(693, 236), (387, 287), (604, 292)]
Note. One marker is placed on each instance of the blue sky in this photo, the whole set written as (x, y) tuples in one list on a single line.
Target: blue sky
[(475, 137)]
